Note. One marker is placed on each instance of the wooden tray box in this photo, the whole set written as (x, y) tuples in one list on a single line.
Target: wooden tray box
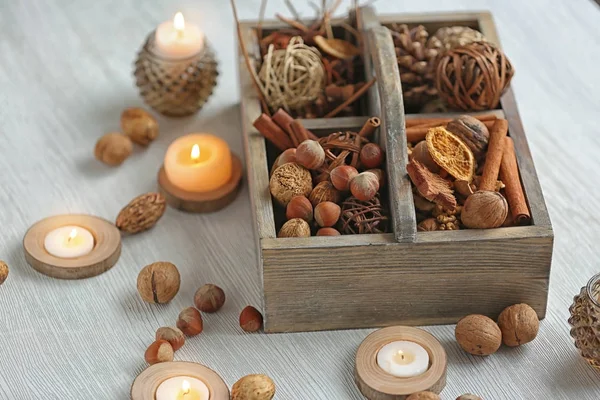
[(405, 277)]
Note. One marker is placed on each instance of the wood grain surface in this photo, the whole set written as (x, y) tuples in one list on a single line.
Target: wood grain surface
[(66, 75)]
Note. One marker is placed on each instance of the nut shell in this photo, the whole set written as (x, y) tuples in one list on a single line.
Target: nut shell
[(139, 125), (478, 335), (190, 322), (251, 319), (327, 214), (423, 396), (421, 154), (113, 148), (141, 213), (288, 181), (484, 210), (472, 132), (310, 154), (287, 156), (172, 335), (519, 324), (364, 186), (158, 282), (371, 156), (468, 396), (428, 225), (294, 228), (324, 191), (3, 271), (341, 176), (159, 351), (299, 207), (253, 387), (209, 298)]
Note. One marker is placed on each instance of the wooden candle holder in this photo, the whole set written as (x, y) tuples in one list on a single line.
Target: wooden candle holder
[(106, 251), (376, 384), (204, 202), (145, 385)]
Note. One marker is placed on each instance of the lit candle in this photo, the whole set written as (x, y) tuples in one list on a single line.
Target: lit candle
[(198, 162), (176, 39), (69, 242), (403, 359), (182, 388)]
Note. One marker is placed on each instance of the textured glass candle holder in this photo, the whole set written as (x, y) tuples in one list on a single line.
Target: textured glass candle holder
[(585, 321), (175, 87)]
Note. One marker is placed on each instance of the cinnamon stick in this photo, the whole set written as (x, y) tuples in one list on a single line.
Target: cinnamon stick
[(369, 127), (493, 158), (509, 175), (416, 133), (351, 100), (422, 121), (283, 119), (272, 132), (299, 132)]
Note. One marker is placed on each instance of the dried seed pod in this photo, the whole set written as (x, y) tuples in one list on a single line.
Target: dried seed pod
[(431, 186), (113, 148), (158, 282), (341, 176), (139, 125), (421, 154), (478, 335), (310, 154), (253, 387), (371, 155), (324, 191), (299, 207), (484, 210), (172, 335), (364, 186), (294, 228), (288, 181), (519, 324), (327, 214), (251, 319), (141, 213), (209, 298), (159, 351), (190, 321), (450, 153)]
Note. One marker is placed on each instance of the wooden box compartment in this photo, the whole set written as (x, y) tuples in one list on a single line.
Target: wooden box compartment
[(404, 277)]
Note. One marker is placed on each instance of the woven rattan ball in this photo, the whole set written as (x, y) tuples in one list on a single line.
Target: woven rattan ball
[(360, 217), (474, 76)]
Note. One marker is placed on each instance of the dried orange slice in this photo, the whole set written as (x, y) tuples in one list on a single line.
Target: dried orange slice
[(451, 153)]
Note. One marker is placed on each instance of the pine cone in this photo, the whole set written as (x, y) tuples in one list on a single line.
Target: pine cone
[(416, 53)]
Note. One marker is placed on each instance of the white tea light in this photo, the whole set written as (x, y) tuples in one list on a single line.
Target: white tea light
[(403, 359), (176, 39), (182, 388), (69, 242)]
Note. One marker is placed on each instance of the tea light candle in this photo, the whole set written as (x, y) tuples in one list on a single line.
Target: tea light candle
[(176, 39), (199, 162), (403, 359), (182, 388), (69, 242)]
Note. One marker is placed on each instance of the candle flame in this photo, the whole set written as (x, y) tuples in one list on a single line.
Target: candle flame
[(185, 386), (179, 22), (72, 235), (195, 152)]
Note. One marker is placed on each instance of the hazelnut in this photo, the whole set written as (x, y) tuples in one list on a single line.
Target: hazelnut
[(364, 186), (253, 387), (299, 207), (324, 191), (172, 335), (473, 132), (209, 298), (423, 396), (159, 351), (310, 154), (3, 271), (288, 156), (380, 176), (190, 321), (428, 225), (113, 148), (288, 181), (139, 125), (158, 282), (371, 155), (251, 319), (327, 214), (294, 228), (421, 154), (478, 335), (468, 396), (328, 232), (519, 324), (484, 209), (341, 176)]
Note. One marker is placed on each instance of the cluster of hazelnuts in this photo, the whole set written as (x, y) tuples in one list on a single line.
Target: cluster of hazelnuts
[(291, 186)]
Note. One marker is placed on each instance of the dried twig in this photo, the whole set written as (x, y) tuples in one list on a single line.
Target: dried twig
[(261, 17), (291, 22), (350, 100)]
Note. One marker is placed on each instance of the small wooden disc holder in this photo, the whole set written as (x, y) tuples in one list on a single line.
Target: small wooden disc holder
[(202, 202), (105, 253), (145, 385), (376, 384)]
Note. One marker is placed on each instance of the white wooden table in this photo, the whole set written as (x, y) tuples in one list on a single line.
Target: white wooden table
[(65, 77)]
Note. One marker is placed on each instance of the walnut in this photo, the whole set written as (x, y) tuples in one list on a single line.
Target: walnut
[(448, 222), (478, 335), (288, 181), (519, 324), (113, 148), (473, 133), (325, 191), (483, 210), (139, 125), (468, 396)]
